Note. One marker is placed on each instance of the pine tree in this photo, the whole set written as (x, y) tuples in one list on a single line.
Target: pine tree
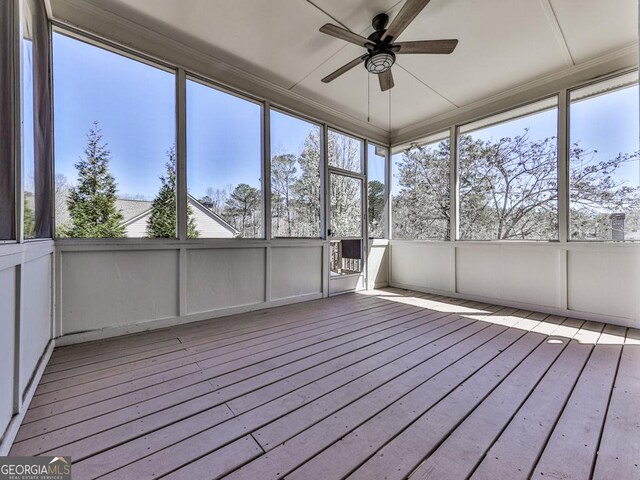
[(92, 203), (162, 222)]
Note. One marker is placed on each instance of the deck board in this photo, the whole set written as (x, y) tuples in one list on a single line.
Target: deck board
[(251, 419), (43, 397), (170, 355), (352, 450), (463, 359), (227, 354), (191, 385), (465, 447), (514, 454), (281, 385), (384, 384), (619, 453), (571, 450), (424, 435)]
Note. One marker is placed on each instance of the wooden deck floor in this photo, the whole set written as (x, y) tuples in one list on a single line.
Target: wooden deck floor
[(385, 385)]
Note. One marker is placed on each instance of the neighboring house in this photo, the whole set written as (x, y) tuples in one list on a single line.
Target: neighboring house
[(208, 224), (136, 214), (632, 235)]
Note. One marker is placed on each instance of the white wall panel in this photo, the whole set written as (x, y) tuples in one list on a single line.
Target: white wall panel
[(25, 319), (593, 281), (7, 323), (224, 277), (422, 264), (605, 281), (520, 273), (105, 289), (35, 328), (532, 274), (478, 271), (378, 264), (295, 271), (345, 283)]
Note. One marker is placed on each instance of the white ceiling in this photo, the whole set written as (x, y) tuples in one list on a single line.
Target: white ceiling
[(503, 44)]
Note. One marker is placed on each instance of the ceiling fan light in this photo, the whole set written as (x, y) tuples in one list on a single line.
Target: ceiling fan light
[(380, 62)]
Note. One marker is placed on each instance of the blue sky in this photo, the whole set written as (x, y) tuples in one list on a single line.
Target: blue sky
[(609, 124), (224, 144), (288, 133), (375, 165), (605, 123), (133, 102), (135, 106), (541, 125)]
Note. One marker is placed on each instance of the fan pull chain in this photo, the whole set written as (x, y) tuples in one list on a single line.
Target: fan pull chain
[(368, 97), (389, 111)]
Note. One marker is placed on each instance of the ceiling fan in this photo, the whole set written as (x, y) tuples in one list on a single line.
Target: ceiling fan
[(381, 49)]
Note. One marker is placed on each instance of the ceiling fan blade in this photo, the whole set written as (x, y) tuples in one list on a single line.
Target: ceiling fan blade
[(427, 46), (386, 80), (344, 34), (343, 69), (408, 12)]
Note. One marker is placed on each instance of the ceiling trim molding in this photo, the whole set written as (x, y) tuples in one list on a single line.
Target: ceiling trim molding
[(88, 17), (555, 26), (624, 58), (49, 10)]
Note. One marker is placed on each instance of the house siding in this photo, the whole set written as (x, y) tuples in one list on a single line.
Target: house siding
[(207, 226)]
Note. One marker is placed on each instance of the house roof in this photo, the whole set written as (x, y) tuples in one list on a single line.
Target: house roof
[(133, 210), (196, 204)]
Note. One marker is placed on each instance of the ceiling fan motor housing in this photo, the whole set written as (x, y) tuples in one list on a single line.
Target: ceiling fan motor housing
[(380, 61), (382, 46), (380, 58)]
